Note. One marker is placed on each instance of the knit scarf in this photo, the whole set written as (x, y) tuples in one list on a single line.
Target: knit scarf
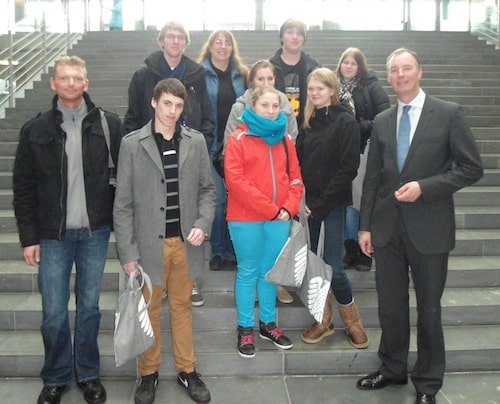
[(271, 131), (166, 72), (346, 88)]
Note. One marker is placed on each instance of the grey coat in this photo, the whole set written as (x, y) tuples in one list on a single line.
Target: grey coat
[(139, 208)]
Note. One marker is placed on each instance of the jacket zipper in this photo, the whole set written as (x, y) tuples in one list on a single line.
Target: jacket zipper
[(273, 176), (63, 185)]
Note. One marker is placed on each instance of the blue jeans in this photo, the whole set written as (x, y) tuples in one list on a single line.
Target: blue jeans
[(219, 239), (334, 249), (351, 223), (87, 249), (257, 244)]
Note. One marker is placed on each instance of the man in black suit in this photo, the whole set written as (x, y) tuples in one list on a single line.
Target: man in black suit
[(408, 221)]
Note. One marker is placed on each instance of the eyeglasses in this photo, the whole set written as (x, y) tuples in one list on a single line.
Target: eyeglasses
[(67, 79), (227, 44), (173, 37)]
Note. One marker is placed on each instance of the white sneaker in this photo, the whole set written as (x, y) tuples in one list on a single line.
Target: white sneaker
[(196, 297)]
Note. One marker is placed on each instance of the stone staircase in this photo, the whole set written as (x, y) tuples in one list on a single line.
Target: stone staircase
[(456, 66)]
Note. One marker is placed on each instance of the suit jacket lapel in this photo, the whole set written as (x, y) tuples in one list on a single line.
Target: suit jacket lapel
[(392, 132)]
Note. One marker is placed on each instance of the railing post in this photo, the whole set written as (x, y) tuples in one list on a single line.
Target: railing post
[(498, 25), (68, 25), (11, 69), (44, 44)]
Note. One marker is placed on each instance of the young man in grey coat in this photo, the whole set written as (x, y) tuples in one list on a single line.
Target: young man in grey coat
[(163, 212)]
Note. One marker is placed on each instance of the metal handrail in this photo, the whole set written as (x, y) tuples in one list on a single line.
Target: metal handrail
[(28, 55)]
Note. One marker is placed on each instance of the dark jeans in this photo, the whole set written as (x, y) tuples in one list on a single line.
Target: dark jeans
[(87, 249), (334, 250)]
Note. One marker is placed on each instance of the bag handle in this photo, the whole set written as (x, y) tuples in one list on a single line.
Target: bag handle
[(143, 279)]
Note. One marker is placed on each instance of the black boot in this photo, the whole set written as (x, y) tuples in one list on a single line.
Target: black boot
[(351, 253), (363, 263)]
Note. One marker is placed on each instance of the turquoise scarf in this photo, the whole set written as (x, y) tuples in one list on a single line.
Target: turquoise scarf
[(270, 131)]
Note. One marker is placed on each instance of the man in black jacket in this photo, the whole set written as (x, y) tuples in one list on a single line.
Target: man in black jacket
[(63, 205), (170, 62)]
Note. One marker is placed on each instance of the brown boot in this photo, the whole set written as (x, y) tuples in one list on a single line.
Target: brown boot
[(353, 325), (318, 331)]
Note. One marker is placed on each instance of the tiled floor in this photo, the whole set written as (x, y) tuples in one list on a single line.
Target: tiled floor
[(473, 388)]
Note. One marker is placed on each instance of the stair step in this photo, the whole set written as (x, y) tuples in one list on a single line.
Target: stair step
[(472, 348), (461, 306), (463, 272), (481, 242)]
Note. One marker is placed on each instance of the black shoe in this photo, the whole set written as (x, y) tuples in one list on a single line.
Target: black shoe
[(145, 392), (423, 398), (51, 395), (195, 387), (246, 342), (377, 380), (273, 333), (216, 262), (93, 391), (363, 263), (351, 253)]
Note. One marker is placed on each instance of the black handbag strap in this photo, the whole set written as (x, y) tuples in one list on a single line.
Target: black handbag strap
[(286, 152)]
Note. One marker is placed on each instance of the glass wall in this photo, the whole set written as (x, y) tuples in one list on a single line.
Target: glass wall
[(451, 15)]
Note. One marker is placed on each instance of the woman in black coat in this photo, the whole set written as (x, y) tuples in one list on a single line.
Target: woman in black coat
[(361, 89)]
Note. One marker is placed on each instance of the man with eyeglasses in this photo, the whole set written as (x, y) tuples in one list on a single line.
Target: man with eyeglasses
[(63, 205), (171, 62)]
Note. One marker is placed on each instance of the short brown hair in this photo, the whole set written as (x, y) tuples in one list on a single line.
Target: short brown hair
[(398, 52), (170, 86)]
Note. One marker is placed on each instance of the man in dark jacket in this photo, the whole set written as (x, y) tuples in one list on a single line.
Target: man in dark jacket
[(170, 62), (63, 205), (293, 66)]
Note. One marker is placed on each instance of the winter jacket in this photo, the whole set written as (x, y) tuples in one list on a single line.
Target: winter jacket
[(196, 112), (40, 173), (257, 180), (212, 82), (369, 100), (305, 66), (328, 153)]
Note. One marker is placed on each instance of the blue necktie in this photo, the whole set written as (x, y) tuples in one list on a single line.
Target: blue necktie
[(403, 136)]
